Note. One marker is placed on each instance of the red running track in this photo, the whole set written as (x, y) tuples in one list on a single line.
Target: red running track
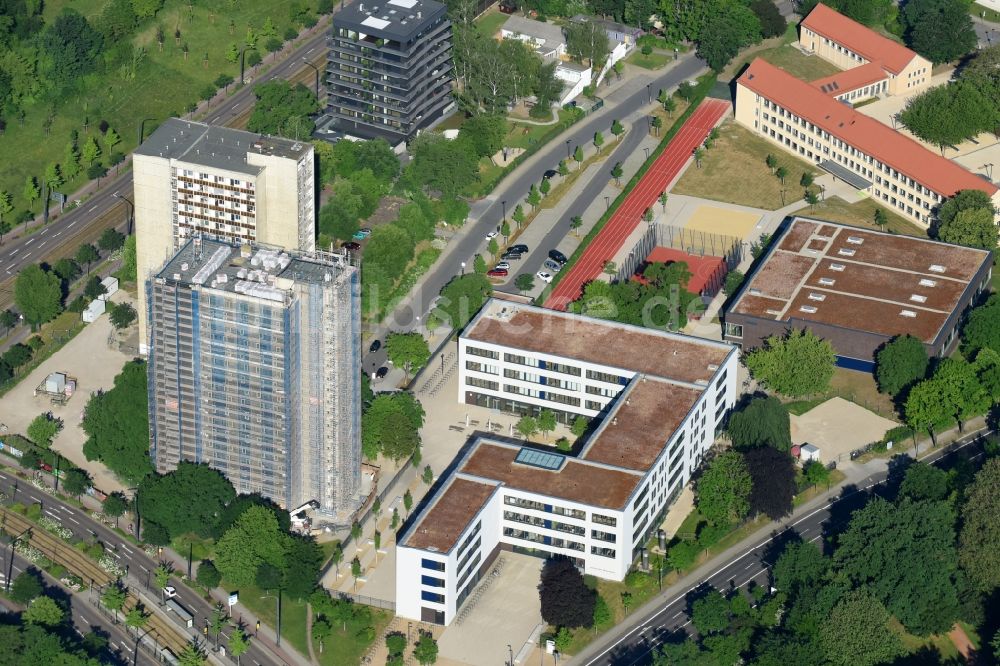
[(625, 219)]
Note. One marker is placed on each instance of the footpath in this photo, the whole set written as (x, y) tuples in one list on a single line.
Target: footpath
[(859, 477)]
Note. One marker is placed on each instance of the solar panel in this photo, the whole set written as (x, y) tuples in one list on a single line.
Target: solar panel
[(541, 459)]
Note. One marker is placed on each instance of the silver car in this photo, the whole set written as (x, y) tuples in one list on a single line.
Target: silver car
[(552, 266)]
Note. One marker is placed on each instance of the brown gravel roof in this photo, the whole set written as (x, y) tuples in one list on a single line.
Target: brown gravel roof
[(577, 481), (630, 348), (647, 416), (440, 526), (880, 276)]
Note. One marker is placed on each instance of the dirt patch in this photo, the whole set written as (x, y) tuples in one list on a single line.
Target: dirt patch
[(961, 641), (387, 211), (838, 427)]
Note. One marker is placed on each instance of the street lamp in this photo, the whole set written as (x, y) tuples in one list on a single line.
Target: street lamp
[(646, 148), (567, 149), (989, 170), (607, 202), (463, 268), (316, 69), (510, 651), (649, 94), (504, 204), (131, 210)]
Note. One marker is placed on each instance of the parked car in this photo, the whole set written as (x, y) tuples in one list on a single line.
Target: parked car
[(556, 255), (358, 236), (491, 235), (381, 372), (375, 346), (365, 231), (543, 276), (497, 272), (502, 265), (520, 248), (351, 245), (170, 591), (552, 266), (550, 173), (510, 255)]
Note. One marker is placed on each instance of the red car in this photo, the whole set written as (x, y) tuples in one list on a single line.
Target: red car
[(497, 272)]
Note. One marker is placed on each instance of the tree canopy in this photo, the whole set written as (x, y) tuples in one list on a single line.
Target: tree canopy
[(857, 632), (660, 300), (723, 490), (283, 109), (939, 30), (982, 328), (38, 295), (566, 599), (726, 32), (763, 421), (462, 298), (587, 40), (189, 499), (795, 365), (900, 363), (773, 482), (117, 425), (254, 539), (390, 426), (979, 539), (407, 350)]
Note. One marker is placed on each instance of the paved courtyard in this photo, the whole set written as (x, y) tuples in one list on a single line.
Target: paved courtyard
[(90, 359), (824, 426)]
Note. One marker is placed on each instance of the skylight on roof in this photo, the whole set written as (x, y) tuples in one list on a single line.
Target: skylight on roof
[(408, 4), (855, 240), (827, 282), (907, 313), (846, 252), (377, 23), (917, 298), (813, 296), (837, 267), (808, 309), (936, 268), (540, 459), (925, 282)]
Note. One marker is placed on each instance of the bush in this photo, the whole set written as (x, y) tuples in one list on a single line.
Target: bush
[(709, 534), (96, 170), (647, 49), (208, 575), (290, 34)]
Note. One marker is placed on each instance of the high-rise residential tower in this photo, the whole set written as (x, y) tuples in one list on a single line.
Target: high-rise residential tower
[(389, 71), (253, 369), (225, 184)]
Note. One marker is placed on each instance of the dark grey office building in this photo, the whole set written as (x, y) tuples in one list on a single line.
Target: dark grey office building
[(390, 69)]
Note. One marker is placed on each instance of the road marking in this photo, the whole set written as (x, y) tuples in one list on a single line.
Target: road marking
[(72, 520), (126, 549), (92, 208), (72, 223), (15, 252), (56, 234), (310, 50), (29, 241), (235, 106), (11, 266)]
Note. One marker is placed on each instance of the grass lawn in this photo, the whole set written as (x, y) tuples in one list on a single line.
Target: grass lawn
[(860, 388), (746, 56), (735, 171), (654, 60), (201, 549), (861, 214), (798, 64), (525, 135), (165, 83), (293, 614), (489, 23), (985, 13), (939, 643), (346, 648)]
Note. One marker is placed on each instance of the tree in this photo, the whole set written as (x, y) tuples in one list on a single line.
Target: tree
[(26, 587), (763, 421), (575, 223), (428, 475), (53, 176), (923, 481), (31, 193), (734, 280), (800, 566), (191, 655), (38, 295), (161, 577), (546, 422), (710, 614), (117, 426), (128, 269), (811, 198), (395, 644), (979, 539), (982, 328), (616, 173), (426, 649), (795, 365), (617, 129), (524, 282), (439, 164), (926, 406), (725, 33), (115, 505), (899, 364), (239, 642), (781, 173), (6, 207), (534, 197), (939, 30), (114, 597), (208, 575), (578, 155), (321, 631), (505, 229), (598, 141), (408, 350), (772, 23), (86, 254), (857, 632), (90, 150), (136, 618), (566, 600), (303, 560), (8, 319), (268, 577), (946, 115), (76, 481), (254, 540), (283, 109), (44, 611), (657, 123), (463, 297), (527, 426), (111, 240), (43, 429), (773, 483), (807, 179), (587, 40), (723, 491), (390, 426), (545, 187), (479, 264), (66, 269), (122, 315), (972, 228), (188, 499), (518, 215)]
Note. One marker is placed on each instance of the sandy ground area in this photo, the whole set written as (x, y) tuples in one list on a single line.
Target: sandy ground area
[(95, 365), (823, 426)]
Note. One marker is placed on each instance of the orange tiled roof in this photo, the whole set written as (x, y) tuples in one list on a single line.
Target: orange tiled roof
[(851, 79), (864, 41), (866, 134)]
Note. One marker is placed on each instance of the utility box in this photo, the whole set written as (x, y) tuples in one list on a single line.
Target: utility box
[(55, 383), (110, 285), (809, 452), (94, 310)]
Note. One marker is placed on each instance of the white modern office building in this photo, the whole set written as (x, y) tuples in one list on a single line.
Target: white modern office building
[(218, 183), (659, 399)]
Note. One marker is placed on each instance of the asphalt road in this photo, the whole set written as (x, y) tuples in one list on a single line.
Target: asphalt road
[(137, 564), (85, 616), (50, 242), (670, 622), (488, 213)]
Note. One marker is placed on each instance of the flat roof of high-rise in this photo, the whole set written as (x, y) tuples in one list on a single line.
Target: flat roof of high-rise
[(398, 20), (266, 273), (216, 147), (887, 284), (905, 155), (636, 349)]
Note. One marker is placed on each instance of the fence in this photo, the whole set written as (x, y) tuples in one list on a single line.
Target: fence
[(369, 601), (693, 242)]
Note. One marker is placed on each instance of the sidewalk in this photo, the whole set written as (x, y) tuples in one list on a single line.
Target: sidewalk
[(859, 476)]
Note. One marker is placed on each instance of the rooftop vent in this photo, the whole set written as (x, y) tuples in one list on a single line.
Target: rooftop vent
[(827, 282), (846, 252), (837, 267), (936, 268), (713, 366), (808, 309), (755, 291), (925, 282), (855, 240), (817, 297), (184, 266), (907, 313), (917, 298)]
